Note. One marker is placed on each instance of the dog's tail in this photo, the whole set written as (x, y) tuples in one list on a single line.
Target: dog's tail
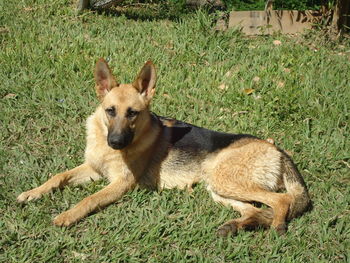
[(296, 187)]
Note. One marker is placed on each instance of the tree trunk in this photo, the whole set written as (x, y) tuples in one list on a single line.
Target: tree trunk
[(341, 16)]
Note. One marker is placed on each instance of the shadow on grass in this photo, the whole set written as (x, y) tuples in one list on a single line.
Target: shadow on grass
[(168, 10), (146, 12)]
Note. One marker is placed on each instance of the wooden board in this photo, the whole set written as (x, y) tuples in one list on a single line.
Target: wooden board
[(268, 22)]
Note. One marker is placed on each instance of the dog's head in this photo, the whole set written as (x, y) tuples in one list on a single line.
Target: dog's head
[(125, 105)]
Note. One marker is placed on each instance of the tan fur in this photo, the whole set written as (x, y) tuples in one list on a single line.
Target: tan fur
[(247, 171)]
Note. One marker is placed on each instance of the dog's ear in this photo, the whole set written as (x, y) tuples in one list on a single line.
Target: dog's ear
[(104, 78), (146, 80)]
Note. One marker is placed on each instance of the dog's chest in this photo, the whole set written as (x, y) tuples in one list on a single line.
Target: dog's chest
[(106, 162)]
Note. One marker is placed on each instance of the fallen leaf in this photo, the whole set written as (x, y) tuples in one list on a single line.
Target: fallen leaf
[(277, 42), (248, 91), (10, 95), (239, 112), (280, 84), (223, 86), (27, 9), (256, 79), (86, 37), (256, 97), (287, 70), (228, 74), (80, 255)]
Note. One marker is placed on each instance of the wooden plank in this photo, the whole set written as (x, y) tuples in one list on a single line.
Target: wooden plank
[(268, 22)]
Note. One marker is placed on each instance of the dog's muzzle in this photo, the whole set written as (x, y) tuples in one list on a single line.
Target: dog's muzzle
[(119, 141)]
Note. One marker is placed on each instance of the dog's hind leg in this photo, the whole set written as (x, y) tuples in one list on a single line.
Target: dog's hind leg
[(279, 203), (80, 174), (111, 193), (251, 216), (252, 172)]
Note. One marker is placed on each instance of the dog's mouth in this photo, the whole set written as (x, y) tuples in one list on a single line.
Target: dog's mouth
[(119, 141)]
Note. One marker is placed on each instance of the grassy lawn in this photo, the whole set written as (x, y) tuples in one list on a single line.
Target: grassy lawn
[(299, 95)]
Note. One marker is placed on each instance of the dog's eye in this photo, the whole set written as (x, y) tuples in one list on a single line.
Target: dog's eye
[(111, 111), (131, 113)]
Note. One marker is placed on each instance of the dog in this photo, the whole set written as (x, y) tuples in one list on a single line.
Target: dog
[(132, 146)]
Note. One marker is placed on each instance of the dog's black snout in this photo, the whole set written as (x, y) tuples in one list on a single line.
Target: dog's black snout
[(116, 142), (119, 141)]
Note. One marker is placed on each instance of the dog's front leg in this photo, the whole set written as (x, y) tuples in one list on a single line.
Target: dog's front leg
[(79, 174), (111, 193)]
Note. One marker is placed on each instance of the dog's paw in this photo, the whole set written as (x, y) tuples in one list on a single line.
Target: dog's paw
[(227, 229), (29, 195), (65, 219), (281, 229)]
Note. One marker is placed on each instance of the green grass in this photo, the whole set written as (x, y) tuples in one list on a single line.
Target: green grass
[(46, 61)]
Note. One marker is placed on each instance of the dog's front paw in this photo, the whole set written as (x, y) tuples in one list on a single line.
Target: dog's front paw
[(66, 218), (29, 195)]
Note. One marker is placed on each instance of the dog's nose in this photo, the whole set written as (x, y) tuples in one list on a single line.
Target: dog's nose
[(116, 141), (119, 141)]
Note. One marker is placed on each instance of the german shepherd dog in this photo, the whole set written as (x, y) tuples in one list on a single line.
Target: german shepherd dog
[(130, 146)]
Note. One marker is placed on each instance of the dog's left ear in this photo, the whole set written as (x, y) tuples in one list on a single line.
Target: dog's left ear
[(146, 80)]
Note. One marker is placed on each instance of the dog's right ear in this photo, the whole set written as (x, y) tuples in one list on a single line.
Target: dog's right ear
[(104, 78)]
